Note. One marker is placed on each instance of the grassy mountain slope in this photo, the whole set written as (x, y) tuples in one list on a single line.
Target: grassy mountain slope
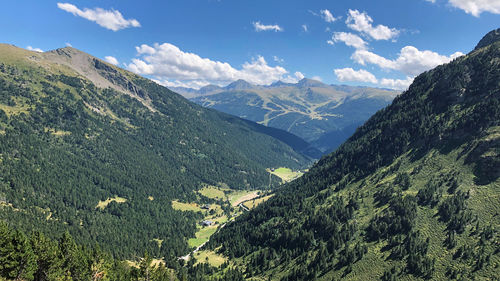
[(320, 114), (76, 131), (413, 194)]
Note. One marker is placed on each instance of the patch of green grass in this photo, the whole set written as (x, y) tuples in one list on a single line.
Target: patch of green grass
[(14, 110), (158, 241), (212, 192), (285, 174), (202, 236), (55, 132), (210, 257), (179, 206), (103, 204), (240, 196), (255, 202)]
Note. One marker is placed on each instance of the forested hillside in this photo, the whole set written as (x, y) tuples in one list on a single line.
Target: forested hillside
[(92, 149), (36, 257), (412, 195)]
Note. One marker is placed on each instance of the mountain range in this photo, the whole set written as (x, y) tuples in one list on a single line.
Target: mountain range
[(323, 115)]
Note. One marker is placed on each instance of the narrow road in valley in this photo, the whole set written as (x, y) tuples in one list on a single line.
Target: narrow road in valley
[(186, 257)]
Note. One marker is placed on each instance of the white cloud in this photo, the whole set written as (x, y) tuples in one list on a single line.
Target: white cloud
[(305, 28), (68, 44), (327, 15), (397, 84), (432, 1), (167, 62), (349, 74), (278, 59), (187, 84), (262, 27), (410, 61), (317, 78), (476, 7), (34, 49), (110, 19), (349, 39), (299, 75), (362, 22), (111, 60)]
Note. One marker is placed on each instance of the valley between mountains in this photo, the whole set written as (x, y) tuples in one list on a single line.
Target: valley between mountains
[(107, 175)]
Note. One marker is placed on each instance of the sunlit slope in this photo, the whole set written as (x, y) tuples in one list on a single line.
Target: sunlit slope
[(414, 194)]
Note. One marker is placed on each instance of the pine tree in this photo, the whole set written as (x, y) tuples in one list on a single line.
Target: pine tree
[(17, 260)]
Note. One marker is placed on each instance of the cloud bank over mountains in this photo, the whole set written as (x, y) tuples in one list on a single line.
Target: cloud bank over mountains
[(171, 66)]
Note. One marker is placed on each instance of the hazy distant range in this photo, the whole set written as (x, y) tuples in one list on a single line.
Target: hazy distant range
[(323, 115)]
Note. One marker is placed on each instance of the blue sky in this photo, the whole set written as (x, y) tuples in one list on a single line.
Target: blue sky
[(192, 43)]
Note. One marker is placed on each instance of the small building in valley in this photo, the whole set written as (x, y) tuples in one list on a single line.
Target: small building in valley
[(207, 223)]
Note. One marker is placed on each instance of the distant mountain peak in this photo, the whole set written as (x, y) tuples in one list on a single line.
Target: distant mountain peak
[(279, 83), (102, 74), (67, 51), (306, 82), (209, 87), (239, 84), (490, 38)]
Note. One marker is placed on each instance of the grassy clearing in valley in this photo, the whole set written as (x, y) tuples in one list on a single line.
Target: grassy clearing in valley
[(213, 192), (202, 236), (179, 206), (250, 204), (285, 174), (237, 197), (14, 110), (58, 133), (158, 241), (210, 257), (103, 204)]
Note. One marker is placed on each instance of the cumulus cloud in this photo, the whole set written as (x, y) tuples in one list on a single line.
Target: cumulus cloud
[(110, 19), (397, 84), (305, 28), (184, 84), (278, 59), (262, 27), (476, 7), (327, 15), (68, 44), (299, 75), (351, 40), (410, 61), (111, 60), (34, 49), (363, 23), (166, 62), (349, 74)]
